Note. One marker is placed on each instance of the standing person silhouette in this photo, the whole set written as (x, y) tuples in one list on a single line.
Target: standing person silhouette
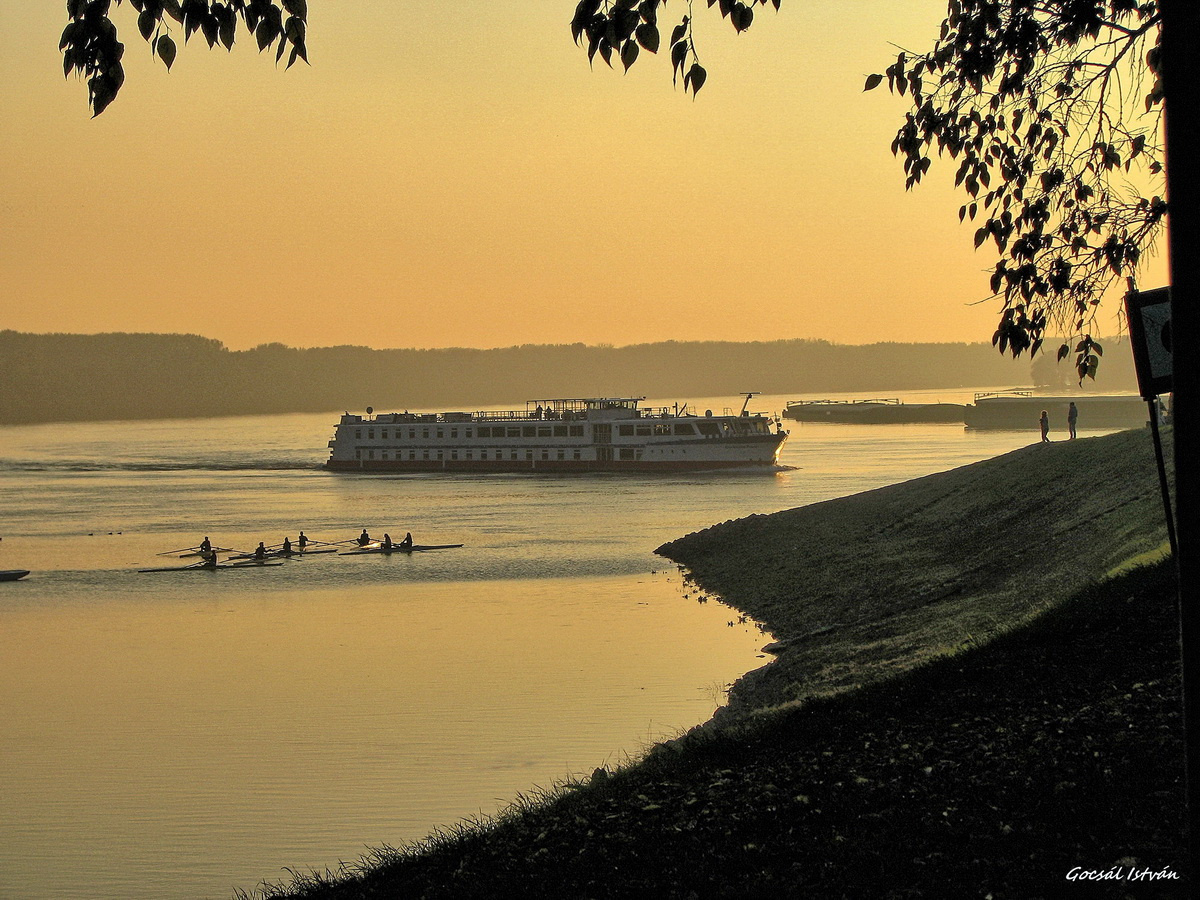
[(1072, 418), (1045, 421)]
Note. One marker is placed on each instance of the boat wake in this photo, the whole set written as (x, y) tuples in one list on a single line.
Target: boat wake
[(132, 465)]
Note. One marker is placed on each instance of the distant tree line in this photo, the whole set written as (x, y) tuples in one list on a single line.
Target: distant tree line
[(72, 377)]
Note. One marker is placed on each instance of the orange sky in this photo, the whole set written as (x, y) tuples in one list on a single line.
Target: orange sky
[(455, 175)]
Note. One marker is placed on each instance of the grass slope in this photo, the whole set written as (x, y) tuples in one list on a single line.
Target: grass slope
[(861, 587), (989, 771)]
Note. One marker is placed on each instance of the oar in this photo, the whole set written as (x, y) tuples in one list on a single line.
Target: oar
[(180, 550)]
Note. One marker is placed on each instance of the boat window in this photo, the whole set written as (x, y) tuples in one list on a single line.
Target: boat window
[(412, 433), (470, 455), (560, 430), (514, 455), (358, 434), (453, 433), (484, 432), (424, 432), (644, 430), (709, 429), (684, 428), (383, 434), (358, 454), (514, 432), (440, 433), (483, 454), (545, 454), (529, 454), (370, 434), (562, 454), (662, 428), (544, 431), (412, 454), (467, 432), (370, 454), (441, 454), (577, 454), (626, 453), (529, 431), (425, 455), (576, 431), (625, 430), (454, 454)]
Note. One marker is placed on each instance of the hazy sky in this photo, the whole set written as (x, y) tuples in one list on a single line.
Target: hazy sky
[(454, 174)]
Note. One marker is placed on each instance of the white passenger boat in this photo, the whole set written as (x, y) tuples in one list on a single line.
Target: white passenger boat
[(586, 435)]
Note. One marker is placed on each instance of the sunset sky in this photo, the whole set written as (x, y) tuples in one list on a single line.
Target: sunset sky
[(454, 174)]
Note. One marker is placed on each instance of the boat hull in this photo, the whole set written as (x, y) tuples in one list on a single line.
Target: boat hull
[(1022, 413), (545, 466), (13, 574), (877, 413)]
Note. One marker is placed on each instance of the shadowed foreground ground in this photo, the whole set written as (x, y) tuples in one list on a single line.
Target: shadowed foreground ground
[(994, 769)]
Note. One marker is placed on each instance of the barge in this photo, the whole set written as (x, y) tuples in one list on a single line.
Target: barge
[(1019, 410), (889, 411), (562, 435)]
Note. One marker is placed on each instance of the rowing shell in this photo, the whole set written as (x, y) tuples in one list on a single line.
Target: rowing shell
[(288, 555), (210, 568), (396, 548), (13, 574)]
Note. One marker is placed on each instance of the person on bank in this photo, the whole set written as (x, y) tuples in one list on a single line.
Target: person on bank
[(1045, 427), (1072, 418)]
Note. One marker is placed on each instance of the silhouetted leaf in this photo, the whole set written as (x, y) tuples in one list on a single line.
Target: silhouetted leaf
[(629, 53), (647, 36), (166, 50), (873, 81), (146, 23)]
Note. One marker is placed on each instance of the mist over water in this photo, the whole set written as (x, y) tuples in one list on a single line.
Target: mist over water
[(178, 735)]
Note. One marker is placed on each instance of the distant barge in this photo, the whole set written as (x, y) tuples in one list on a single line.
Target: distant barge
[(1018, 410), (873, 412)]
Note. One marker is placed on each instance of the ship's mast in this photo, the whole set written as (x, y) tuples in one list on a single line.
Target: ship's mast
[(746, 402)]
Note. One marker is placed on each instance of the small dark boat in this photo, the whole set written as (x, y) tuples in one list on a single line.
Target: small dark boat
[(398, 548), (193, 568), (13, 574)]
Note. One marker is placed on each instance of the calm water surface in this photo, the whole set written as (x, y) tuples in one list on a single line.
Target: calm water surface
[(177, 736)]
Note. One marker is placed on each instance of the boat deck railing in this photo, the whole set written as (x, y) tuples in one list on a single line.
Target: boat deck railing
[(880, 401), (994, 395)]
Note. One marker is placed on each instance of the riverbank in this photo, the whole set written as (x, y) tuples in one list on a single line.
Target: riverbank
[(958, 709)]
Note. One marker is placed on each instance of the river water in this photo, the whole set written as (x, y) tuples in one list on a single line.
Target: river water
[(180, 736)]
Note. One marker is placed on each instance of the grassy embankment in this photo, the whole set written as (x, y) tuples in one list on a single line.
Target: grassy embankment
[(973, 695)]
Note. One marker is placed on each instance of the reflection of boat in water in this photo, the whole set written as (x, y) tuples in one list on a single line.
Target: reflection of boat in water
[(873, 412), (587, 435), (1020, 410)]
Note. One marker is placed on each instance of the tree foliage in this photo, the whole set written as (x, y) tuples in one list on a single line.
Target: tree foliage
[(90, 47), (1052, 110)]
